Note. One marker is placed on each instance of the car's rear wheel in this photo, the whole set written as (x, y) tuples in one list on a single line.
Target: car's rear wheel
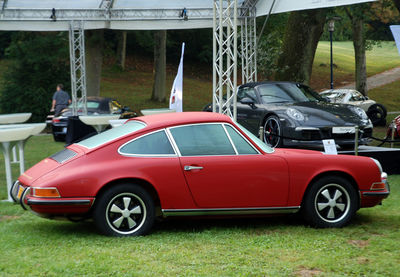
[(124, 210), (330, 202), (377, 113), (273, 131)]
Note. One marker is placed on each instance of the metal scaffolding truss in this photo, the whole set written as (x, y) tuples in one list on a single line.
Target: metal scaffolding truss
[(248, 36), (78, 65), (102, 13), (225, 56), (225, 51)]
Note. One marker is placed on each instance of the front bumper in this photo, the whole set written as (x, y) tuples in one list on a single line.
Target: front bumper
[(372, 198), (314, 136), (49, 207)]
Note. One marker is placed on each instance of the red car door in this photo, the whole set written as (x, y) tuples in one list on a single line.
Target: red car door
[(223, 170)]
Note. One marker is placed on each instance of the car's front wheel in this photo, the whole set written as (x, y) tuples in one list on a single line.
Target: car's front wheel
[(273, 131), (330, 202), (124, 210)]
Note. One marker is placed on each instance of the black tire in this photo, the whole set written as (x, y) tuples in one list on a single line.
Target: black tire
[(377, 113), (273, 131), (59, 138), (330, 202), (124, 210)]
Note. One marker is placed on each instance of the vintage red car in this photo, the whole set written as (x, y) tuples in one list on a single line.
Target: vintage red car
[(194, 164)]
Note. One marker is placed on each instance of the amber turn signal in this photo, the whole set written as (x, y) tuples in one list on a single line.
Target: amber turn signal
[(45, 192), (378, 186)]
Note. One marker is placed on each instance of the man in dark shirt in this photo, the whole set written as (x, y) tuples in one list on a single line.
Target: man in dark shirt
[(61, 100)]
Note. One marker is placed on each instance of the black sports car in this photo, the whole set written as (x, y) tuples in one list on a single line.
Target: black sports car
[(95, 105), (293, 114)]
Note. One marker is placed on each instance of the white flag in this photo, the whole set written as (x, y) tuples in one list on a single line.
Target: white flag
[(175, 100), (396, 34)]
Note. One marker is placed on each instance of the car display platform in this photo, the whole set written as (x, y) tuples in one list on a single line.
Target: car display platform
[(388, 157)]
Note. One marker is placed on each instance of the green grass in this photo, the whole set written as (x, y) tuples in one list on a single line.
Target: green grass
[(281, 246), (379, 59)]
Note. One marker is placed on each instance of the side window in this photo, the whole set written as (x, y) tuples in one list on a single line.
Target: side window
[(247, 92), (153, 144), (202, 140), (242, 146)]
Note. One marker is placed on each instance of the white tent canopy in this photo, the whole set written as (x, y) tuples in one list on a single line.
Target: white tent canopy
[(28, 15)]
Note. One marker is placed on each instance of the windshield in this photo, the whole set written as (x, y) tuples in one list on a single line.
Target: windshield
[(114, 133), (264, 147), (286, 93)]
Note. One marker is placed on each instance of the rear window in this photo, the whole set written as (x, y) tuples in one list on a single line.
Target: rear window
[(114, 133)]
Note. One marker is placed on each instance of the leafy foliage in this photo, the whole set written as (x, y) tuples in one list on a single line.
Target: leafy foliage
[(40, 62)]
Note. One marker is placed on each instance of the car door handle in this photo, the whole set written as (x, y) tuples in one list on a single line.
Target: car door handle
[(189, 167)]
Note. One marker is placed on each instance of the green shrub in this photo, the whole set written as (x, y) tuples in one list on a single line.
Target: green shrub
[(39, 62)]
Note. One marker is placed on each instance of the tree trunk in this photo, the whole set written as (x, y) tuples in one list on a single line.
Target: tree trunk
[(159, 67), (359, 51), (397, 4), (121, 49), (303, 31), (94, 41)]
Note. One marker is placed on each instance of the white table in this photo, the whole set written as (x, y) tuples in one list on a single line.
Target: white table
[(9, 137), (99, 122), (14, 118), (156, 111)]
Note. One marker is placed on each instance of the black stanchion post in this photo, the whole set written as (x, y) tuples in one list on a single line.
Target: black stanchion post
[(356, 128), (392, 137), (261, 133)]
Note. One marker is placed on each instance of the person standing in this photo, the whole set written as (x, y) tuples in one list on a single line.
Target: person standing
[(61, 100)]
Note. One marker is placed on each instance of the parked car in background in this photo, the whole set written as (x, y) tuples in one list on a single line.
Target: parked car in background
[(194, 164), (375, 111), (95, 105), (292, 114), (394, 128)]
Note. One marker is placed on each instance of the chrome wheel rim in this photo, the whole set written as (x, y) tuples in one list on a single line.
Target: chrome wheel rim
[(126, 213), (332, 203), (271, 129)]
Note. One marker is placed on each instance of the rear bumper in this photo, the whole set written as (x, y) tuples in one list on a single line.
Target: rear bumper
[(48, 207)]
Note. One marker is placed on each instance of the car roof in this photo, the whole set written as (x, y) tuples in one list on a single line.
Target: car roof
[(254, 84), (173, 119), (338, 90)]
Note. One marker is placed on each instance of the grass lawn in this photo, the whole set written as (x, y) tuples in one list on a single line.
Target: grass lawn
[(281, 246), (379, 59)]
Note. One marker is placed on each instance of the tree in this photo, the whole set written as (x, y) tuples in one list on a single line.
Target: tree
[(94, 43), (38, 62), (121, 49), (159, 67), (356, 15), (303, 30)]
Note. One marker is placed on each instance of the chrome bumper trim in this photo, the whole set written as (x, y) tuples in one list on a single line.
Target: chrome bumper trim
[(58, 202)]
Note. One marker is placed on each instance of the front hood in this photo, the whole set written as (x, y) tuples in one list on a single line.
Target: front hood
[(327, 114)]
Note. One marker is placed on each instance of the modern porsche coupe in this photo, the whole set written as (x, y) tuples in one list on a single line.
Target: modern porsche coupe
[(194, 164), (292, 114)]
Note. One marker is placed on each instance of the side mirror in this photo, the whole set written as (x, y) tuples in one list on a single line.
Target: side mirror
[(247, 101), (327, 99)]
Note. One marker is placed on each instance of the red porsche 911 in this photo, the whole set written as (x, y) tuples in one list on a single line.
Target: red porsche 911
[(194, 164)]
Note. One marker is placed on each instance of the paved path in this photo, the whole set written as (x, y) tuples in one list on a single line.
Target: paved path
[(380, 79)]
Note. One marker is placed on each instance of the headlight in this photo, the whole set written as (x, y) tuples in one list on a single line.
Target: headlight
[(295, 114), (378, 164), (360, 112)]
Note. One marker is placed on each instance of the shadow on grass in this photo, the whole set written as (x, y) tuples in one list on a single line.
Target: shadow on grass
[(199, 225)]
